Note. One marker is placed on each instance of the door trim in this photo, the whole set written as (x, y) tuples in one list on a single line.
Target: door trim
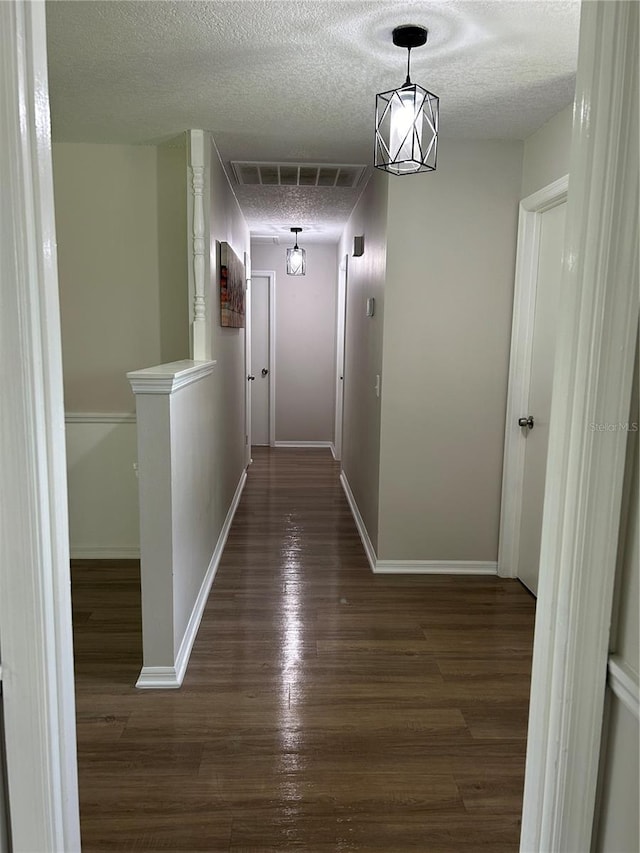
[(341, 315), (271, 275), (247, 360), (35, 608), (524, 305), (593, 380)]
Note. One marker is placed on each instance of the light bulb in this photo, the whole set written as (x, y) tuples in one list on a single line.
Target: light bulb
[(403, 125)]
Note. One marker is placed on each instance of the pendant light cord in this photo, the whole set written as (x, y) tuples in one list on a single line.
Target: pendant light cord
[(407, 82)]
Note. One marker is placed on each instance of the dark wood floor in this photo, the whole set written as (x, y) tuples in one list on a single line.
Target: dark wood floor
[(324, 708)]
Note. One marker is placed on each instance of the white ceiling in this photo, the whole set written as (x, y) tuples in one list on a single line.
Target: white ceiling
[(296, 81)]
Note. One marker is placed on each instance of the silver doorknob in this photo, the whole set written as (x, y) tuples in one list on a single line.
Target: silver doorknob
[(264, 371), (526, 422), (251, 378)]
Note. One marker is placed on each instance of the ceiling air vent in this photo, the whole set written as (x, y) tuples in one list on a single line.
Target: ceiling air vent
[(297, 174)]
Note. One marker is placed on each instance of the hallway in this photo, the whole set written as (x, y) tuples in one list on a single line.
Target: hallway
[(324, 708)]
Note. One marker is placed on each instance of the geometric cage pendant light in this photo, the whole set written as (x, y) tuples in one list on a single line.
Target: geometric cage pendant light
[(296, 257), (407, 118)]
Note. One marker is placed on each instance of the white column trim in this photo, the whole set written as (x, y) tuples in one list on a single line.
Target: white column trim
[(524, 305), (197, 164), (35, 607), (598, 323), (169, 378)]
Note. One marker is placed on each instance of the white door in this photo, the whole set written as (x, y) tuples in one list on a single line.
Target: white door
[(260, 360), (542, 359)]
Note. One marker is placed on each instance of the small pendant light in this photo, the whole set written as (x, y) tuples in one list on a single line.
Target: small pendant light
[(407, 118), (296, 257)]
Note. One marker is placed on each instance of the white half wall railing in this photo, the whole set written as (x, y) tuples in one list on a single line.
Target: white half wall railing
[(179, 546)]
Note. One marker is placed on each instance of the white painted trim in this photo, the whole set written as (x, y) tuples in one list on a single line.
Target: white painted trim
[(524, 304), (197, 219), (35, 607), (105, 552), (360, 525), (247, 364), (595, 355), (172, 677), (332, 448), (271, 276), (435, 567), (303, 444), (623, 681), (158, 678), (341, 312), (100, 417), (169, 378), (410, 567)]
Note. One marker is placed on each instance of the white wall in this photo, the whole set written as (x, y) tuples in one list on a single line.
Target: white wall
[(106, 219), (546, 153), (226, 223), (103, 489), (305, 340), (363, 352), (173, 286), (121, 226), (447, 323)]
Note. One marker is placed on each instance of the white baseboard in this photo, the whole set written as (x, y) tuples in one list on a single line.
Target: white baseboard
[(435, 567), (168, 677), (303, 444), (158, 678), (332, 447), (362, 530), (411, 567), (105, 552)]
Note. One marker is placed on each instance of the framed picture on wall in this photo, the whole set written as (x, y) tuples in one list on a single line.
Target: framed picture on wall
[(231, 288)]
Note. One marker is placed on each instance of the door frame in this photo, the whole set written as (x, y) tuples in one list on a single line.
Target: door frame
[(35, 605), (271, 276), (247, 360), (341, 315), (524, 306), (593, 378)]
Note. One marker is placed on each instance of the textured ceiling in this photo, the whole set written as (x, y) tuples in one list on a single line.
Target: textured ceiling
[(297, 80)]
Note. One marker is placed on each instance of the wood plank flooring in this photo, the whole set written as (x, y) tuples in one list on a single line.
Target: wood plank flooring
[(324, 708)]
